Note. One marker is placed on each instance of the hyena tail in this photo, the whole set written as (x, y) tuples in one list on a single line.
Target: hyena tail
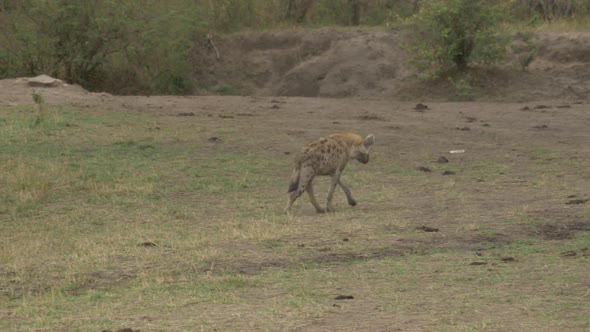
[(294, 181)]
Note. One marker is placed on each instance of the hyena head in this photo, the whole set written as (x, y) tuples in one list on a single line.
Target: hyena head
[(360, 151)]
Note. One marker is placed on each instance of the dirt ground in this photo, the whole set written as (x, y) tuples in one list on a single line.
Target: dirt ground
[(520, 154)]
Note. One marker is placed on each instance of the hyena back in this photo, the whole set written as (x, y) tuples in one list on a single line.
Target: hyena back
[(327, 156)]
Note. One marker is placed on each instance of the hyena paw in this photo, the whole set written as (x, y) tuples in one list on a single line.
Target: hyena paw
[(320, 210), (352, 202), (330, 209)]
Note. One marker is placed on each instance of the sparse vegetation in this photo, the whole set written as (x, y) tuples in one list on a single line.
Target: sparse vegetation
[(525, 49), (463, 87), (107, 216), (39, 102)]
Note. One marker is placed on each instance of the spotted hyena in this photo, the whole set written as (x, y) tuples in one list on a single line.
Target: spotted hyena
[(327, 156)]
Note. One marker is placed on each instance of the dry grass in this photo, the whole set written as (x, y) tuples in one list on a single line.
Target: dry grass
[(107, 222), (578, 24)]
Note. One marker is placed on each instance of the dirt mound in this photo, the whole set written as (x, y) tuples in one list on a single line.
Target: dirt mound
[(563, 60), (310, 63), (19, 91), (336, 62), (563, 48)]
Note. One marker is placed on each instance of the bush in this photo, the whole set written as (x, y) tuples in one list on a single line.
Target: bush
[(101, 45), (449, 35), (68, 39)]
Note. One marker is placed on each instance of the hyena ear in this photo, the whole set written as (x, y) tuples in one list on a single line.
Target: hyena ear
[(369, 141)]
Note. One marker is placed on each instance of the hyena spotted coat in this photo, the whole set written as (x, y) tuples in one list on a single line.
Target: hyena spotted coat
[(327, 156)]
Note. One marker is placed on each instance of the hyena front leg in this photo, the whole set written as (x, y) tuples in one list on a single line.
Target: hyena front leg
[(333, 182), (346, 190), (312, 199)]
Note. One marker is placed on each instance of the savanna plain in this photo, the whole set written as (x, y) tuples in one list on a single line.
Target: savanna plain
[(166, 214)]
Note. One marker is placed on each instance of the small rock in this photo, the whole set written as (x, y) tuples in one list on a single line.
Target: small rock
[(569, 253), (214, 139), (423, 169), (448, 173), (421, 107), (442, 160), (44, 81), (577, 201), (478, 263), (427, 229), (344, 297)]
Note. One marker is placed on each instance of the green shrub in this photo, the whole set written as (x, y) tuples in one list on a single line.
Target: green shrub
[(450, 35), (232, 15), (101, 45), (65, 38), (170, 83), (463, 87)]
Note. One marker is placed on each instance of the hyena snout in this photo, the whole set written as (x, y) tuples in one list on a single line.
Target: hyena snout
[(363, 158)]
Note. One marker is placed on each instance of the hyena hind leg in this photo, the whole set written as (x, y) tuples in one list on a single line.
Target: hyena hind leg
[(292, 197), (304, 184), (312, 199)]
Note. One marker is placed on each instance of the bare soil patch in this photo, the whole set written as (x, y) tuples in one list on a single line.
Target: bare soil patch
[(561, 231)]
